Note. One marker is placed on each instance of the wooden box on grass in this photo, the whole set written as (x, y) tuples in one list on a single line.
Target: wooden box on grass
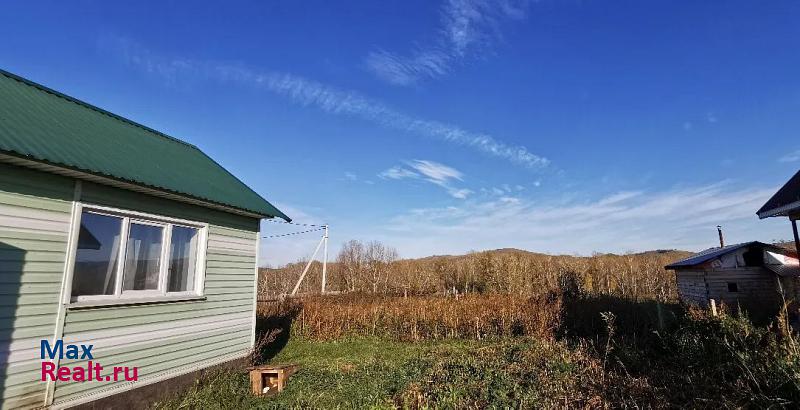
[(270, 379)]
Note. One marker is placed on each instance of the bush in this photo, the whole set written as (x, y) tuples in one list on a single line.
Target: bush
[(721, 359)]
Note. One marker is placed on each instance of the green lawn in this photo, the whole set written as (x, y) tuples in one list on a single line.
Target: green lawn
[(343, 374)]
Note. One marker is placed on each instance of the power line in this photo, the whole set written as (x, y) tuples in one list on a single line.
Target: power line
[(293, 233), (293, 223)]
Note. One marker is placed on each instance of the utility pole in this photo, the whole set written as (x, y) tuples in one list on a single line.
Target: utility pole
[(325, 259)]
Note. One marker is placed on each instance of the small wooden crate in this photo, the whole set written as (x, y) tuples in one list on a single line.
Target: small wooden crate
[(270, 379)]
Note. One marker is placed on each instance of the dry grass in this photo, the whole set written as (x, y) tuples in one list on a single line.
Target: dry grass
[(631, 276), (421, 317), (367, 351)]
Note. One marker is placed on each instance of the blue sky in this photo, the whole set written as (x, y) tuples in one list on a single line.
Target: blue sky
[(447, 126)]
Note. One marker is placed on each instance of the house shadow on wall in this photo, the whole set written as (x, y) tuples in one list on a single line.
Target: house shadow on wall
[(11, 261)]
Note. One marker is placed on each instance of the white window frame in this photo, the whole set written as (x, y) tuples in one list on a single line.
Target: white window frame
[(142, 218)]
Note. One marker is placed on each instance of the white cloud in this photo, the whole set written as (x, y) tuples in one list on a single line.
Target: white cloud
[(618, 197), (435, 172), (790, 157), (398, 173), (430, 171), (459, 193), (466, 28), (679, 218), (307, 92), (350, 176)]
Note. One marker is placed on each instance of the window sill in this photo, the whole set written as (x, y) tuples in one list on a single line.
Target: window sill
[(87, 304)]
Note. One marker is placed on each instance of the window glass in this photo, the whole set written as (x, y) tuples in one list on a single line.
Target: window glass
[(142, 257), (182, 259), (97, 254)]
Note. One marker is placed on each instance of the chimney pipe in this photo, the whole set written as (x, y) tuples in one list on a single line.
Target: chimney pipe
[(721, 241)]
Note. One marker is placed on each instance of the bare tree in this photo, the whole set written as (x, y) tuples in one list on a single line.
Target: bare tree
[(378, 258), (351, 260)]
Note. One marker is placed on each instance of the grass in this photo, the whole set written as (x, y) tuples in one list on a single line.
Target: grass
[(356, 373), (620, 356), (376, 373)]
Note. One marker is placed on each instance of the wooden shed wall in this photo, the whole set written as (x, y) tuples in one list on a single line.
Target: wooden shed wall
[(755, 285), (692, 286)]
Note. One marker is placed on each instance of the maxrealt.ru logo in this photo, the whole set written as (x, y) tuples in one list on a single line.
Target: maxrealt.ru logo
[(91, 371)]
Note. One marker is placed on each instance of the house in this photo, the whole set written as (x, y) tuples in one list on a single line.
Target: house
[(751, 275), (786, 203), (115, 238)]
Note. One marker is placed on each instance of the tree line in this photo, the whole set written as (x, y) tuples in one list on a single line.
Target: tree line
[(375, 268)]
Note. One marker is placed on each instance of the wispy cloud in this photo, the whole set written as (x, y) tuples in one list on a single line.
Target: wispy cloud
[(679, 218), (790, 157), (330, 99), (398, 173), (429, 171), (435, 172), (466, 27)]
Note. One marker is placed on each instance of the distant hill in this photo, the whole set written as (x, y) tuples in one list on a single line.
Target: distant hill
[(669, 254), (512, 251)]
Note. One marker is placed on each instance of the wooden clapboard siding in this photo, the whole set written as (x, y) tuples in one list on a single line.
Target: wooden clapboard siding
[(755, 284), (35, 211), (692, 286), (178, 337)]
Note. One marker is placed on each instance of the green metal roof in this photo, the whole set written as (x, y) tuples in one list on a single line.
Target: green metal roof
[(43, 125)]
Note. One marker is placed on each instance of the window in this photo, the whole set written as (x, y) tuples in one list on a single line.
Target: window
[(733, 287), (182, 259), (98, 252), (143, 257), (124, 255)]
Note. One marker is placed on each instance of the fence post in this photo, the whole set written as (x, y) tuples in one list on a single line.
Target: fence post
[(660, 316)]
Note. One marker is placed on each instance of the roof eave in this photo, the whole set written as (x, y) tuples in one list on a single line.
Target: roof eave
[(784, 210), (117, 183)]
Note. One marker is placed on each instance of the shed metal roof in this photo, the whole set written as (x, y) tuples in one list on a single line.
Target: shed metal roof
[(711, 253), (785, 201), (43, 125)]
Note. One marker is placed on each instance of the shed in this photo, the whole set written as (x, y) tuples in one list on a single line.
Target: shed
[(117, 236), (751, 274)]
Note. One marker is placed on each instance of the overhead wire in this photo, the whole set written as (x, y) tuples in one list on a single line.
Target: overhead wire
[(293, 223), (292, 233)]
